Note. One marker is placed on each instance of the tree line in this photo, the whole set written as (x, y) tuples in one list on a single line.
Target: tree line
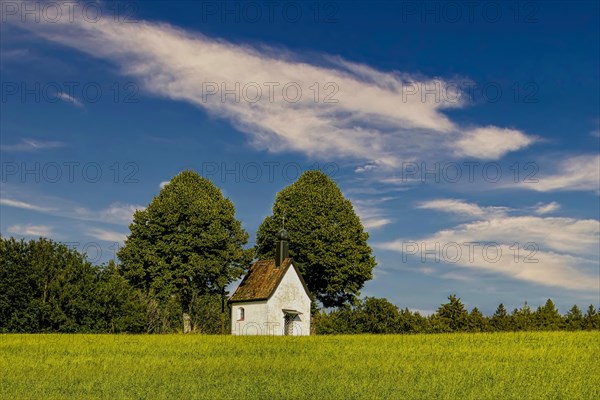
[(379, 316), (187, 246), (47, 287)]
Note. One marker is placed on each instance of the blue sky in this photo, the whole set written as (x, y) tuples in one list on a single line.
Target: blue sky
[(466, 136)]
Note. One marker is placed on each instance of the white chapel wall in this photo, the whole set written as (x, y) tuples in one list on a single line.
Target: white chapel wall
[(289, 295)]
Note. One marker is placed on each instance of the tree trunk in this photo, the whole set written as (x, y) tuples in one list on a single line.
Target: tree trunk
[(187, 323)]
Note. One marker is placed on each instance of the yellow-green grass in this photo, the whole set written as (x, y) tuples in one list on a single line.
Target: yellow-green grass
[(540, 365)]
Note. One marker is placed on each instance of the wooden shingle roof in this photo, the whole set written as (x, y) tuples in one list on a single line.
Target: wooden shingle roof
[(262, 280)]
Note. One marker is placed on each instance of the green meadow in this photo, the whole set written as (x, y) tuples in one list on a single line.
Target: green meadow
[(531, 365)]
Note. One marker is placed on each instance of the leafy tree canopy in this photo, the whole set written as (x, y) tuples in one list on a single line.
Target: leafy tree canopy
[(186, 242), (327, 240)]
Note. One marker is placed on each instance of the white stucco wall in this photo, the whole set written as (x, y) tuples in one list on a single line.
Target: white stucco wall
[(255, 316), (267, 317), (290, 295)]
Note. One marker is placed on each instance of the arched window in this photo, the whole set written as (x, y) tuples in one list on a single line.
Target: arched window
[(240, 314)]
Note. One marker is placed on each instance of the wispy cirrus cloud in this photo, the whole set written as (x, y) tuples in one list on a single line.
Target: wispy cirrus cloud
[(107, 235), (116, 213), (14, 54), (371, 213), (31, 145), (24, 205), (574, 173), (461, 207), (362, 113), (556, 173), (70, 99), (548, 208), (561, 252), (30, 230)]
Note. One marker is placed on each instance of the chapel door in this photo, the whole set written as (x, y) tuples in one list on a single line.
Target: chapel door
[(288, 324)]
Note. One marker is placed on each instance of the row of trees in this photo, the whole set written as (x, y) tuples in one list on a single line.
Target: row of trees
[(375, 315), (184, 249), (47, 287)]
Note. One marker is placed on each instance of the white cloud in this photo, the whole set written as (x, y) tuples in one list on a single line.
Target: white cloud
[(70, 99), (30, 230), (23, 204), (31, 145), (373, 118), (461, 207), (163, 184), (364, 168), (542, 209), (107, 235), (560, 252), (491, 142), (371, 223), (371, 214), (557, 172), (115, 213), (581, 173)]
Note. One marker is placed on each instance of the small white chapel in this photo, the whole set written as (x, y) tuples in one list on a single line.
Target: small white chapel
[(273, 298)]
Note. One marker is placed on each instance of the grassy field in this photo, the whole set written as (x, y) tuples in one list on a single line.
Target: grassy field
[(454, 366)]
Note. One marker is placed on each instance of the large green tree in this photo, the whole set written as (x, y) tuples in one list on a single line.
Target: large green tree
[(377, 315), (185, 244), (500, 320), (547, 317), (574, 319), (327, 240), (592, 318), (477, 321), (454, 314), (523, 319)]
